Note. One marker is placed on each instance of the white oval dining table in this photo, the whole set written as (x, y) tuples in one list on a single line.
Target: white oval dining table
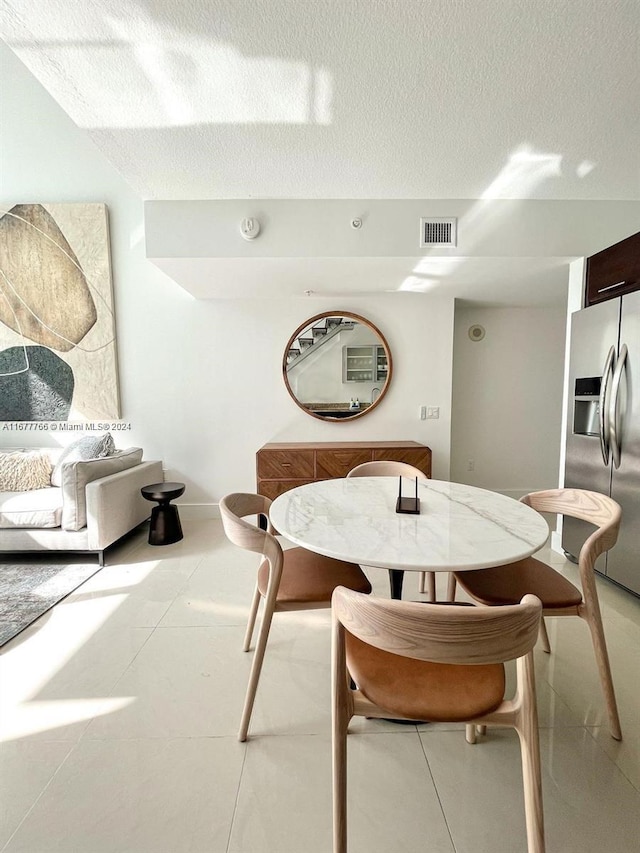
[(459, 527)]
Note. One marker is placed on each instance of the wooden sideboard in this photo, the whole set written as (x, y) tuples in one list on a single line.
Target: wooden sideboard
[(283, 466)]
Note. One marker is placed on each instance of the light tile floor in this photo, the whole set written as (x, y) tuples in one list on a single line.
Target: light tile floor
[(119, 711)]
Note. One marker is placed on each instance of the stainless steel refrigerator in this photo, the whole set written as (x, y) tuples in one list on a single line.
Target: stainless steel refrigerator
[(603, 427)]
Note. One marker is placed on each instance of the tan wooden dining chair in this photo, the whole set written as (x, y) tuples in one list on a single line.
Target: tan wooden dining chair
[(295, 579), (437, 663), (507, 584), (389, 468)]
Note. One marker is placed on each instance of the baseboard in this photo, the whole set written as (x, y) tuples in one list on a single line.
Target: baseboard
[(197, 512)]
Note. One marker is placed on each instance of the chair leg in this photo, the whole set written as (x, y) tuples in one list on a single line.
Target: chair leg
[(527, 728), (531, 778), (427, 583), (451, 587), (256, 669), (544, 637), (340, 725), (431, 583), (252, 620), (472, 731), (602, 659), (341, 711)]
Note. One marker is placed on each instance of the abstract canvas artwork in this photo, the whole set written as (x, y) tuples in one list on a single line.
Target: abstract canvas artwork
[(57, 330)]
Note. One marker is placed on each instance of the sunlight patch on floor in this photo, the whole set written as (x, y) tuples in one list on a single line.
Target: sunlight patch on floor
[(32, 718)]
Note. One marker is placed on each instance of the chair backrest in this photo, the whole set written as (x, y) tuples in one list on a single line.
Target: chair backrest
[(593, 507), (233, 510), (386, 468), (438, 632)]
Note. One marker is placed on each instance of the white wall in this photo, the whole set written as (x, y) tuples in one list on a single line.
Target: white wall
[(507, 398), (201, 381)]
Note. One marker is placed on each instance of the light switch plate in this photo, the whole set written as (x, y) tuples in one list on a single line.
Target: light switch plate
[(433, 411)]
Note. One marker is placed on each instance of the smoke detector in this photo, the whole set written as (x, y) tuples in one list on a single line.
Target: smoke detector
[(438, 233)]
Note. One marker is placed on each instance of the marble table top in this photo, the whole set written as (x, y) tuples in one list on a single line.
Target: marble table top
[(459, 527)]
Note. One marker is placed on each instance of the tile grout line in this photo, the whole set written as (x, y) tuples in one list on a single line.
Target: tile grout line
[(236, 800), (435, 788), (72, 747), (604, 751)]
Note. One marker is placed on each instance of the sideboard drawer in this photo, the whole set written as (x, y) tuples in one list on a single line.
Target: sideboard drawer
[(279, 464), (272, 488), (417, 456), (337, 463)]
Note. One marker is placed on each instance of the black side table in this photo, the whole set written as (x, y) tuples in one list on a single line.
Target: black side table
[(165, 522)]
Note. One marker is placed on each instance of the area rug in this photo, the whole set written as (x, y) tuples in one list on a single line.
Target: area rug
[(28, 590)]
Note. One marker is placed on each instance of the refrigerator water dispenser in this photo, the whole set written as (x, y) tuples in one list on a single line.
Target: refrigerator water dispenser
[(586, 406), (586, 417)]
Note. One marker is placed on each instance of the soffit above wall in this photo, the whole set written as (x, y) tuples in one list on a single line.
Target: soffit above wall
[(490, 282), (508, 252)]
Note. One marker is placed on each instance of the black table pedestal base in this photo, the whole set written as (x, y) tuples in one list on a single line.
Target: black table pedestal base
[(396, 578), (165, 527)]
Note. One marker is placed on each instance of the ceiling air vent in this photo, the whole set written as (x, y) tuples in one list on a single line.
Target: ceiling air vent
[(438, 233)]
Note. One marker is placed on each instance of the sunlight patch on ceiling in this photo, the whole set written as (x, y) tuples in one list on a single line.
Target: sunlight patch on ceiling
[(415, 284), (163, 77), (585, 168), (524, 171), (428, 273), (438, 267)]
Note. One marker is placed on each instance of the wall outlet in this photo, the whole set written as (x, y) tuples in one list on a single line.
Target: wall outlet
[(471, 465), (433, 411)]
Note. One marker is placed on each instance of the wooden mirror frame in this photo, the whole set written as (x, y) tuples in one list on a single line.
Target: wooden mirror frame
[(358, 319)]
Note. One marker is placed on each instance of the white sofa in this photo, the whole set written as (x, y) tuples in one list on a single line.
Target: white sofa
[(96, 502)]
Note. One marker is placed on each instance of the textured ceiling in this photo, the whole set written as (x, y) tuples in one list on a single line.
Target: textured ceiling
[(196, 99)]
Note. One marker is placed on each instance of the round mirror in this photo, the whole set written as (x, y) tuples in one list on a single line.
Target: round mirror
[(337, 366)]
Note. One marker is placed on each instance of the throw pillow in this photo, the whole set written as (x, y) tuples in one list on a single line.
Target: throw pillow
[(22, 472), (87, 447)]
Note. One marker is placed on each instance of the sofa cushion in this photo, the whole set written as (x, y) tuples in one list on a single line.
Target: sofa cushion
[(23, 471), (87, 447), (36, 508), (76, 475)]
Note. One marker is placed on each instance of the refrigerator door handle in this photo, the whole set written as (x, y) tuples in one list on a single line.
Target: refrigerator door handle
[(603, 407), (614, 424)]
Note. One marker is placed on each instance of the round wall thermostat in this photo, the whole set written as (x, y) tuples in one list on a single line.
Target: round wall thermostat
[(476, 333)]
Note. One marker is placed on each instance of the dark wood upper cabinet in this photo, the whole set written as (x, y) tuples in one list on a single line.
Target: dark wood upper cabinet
[(613, 271)]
